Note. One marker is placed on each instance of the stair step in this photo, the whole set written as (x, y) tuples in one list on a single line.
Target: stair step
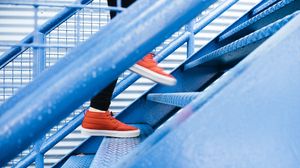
[(79, 161), (267, 15), (177, 99), (239, 48), (111, 150), (263, 6)]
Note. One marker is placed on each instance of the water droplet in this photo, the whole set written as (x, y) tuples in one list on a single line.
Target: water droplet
[(6, 128), (94, 74), (40, 118)]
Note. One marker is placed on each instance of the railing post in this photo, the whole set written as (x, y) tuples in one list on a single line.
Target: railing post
[(39, 54), (39, 158), (39, 63), (119, 4), (191, 42)]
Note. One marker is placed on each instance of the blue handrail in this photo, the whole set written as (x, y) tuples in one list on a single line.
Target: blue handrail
[(88, 63)]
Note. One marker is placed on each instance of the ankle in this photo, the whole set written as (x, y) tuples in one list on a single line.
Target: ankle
[(91, 109)]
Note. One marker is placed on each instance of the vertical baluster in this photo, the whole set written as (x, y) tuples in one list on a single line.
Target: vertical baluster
[(191, 42), (119, 5), (39, 63)]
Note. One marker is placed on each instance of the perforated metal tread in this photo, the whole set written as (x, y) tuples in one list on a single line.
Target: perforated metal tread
[(263, 6), (79, 161), (111, 150), (240, 48), (176, 99), (256, 18)]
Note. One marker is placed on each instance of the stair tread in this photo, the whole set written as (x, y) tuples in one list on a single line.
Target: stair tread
[(79, 161), (256, 18), (241, 47), (179, 99), (111, 150), (263, 6)]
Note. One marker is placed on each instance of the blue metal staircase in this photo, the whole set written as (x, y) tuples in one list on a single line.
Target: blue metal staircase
[(234, 105)]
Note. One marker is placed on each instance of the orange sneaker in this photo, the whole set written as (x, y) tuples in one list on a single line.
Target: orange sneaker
[(104, 124), (148, 68)]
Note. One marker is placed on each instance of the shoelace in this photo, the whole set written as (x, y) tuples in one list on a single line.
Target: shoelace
[(149, 59), (111, 113), (153, 63)]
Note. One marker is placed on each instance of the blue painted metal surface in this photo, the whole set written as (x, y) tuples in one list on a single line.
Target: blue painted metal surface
[(154, 113), (79, 161), (112, 150), (213, 15), (171, 48), (191, 41), (183, 116), (39, 64), (283, 5), (257, 126), (45, 29), (51, 141), (263, 6), (90, 70), (121, 86), (175, 99), (39, 55), (240, 48), (188, 81), (88, 147), (215, 44), (128, 81), (58, 5)]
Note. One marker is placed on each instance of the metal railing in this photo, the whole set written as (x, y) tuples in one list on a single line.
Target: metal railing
[(26, 51)]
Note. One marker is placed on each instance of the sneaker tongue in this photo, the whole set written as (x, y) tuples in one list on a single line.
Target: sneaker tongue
[(149, 56)]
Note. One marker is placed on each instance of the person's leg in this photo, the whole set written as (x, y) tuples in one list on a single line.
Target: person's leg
[(103, 99), (98, 121), (146, 67), (124, 4)]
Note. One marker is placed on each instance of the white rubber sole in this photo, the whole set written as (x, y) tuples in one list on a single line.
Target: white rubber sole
[(152, 75), (109, 133)]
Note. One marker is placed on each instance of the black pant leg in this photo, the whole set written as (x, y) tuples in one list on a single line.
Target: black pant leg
[(124, 4), (103, 99)]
